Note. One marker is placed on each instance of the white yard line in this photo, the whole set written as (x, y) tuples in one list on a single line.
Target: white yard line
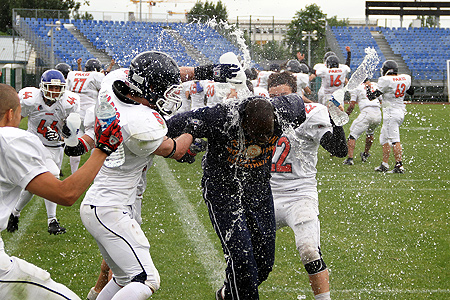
[(24, 221), (211, 260), (361, 291)]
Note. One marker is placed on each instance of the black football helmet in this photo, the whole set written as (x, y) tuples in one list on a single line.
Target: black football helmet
[(304, 68), (274, 67), (328, 54), (93, 64), (389, 67), (332, 62), (63, 68), (155, 76), (293, 66)]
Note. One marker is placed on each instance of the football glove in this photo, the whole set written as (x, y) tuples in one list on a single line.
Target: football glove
[(198, 145), (217, 72), (51, 134), (194, 128), (109, 139)]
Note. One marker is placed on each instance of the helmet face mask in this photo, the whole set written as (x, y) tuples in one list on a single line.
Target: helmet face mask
[(171, 101), (155, 76), (50, 80)]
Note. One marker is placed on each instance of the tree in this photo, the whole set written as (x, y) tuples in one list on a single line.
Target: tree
[(207, 11), (67, 6), (333, 21), (272, 50), (308, 20)]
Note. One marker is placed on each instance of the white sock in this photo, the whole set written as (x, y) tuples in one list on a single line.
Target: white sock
[(92, 294), (74, 163), (110, 289), (385, 164), (323, 296), (15, 212)]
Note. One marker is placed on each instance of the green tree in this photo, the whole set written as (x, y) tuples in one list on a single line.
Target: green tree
[(272, 50), (427, 21), (67, 6), (308, 20), (333, 21), (207, 11)]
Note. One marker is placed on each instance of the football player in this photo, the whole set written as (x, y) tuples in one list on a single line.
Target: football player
[(301, 73), (393, 88), (334, 77), (263, 76), (63, 68), (142, 95), (27, 164), (294, 184), (367, 121), (47, 109), (241, 136), (87, 85)]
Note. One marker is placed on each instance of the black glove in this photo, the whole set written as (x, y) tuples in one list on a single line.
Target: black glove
[(218, 73), (198, 145), (52, 135), (194, 127), (65, 132)]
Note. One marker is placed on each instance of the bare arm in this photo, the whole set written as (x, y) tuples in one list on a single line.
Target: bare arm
[(350, 107), (184, 141), (79, 64), (187, 73), (68, 191)]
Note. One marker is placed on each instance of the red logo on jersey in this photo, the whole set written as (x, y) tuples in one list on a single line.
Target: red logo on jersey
[(399, 78), (27, 95), (334, 71)]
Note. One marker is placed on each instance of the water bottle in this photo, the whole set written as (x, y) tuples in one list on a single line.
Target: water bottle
[(106, 114), (73, 122), (340, 118)]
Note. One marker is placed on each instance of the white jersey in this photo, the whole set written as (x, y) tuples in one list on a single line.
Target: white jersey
[(197, 94), (40, 115), (295, 158), (302, 82), (22, 159), (211, 92), (260, 91), (263, 78), (332, 79), (87, 85), (185, 101), (394, 89), (143, 131), (359, 95)]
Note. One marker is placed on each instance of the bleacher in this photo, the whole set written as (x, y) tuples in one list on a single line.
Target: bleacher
[(424, 50), (358, 38), (123, 40)]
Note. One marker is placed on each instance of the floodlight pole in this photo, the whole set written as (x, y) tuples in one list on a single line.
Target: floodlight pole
[(57, 25), (309, 35)]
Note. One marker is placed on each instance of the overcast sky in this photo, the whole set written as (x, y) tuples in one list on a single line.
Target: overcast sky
[(280, 9)]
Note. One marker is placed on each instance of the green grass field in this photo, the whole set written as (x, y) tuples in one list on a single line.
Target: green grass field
[(384, 236)]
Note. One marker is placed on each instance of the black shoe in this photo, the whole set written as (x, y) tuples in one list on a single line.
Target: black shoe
[(381, 168), (219, 294), (398, 169), (13, 223), (348, 161), (364, 156), (55, 228)]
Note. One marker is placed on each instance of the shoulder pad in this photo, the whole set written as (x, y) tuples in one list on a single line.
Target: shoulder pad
[(147, 125), (316, 114), (69, 100), (29, 96)]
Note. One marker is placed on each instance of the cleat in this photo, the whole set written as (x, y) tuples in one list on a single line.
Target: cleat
[(398, 169), (13, 223), (364, 156), (55, 228), (348, 161), (381, 168)]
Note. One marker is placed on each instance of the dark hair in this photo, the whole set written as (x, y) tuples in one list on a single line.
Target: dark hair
[(284, 77)]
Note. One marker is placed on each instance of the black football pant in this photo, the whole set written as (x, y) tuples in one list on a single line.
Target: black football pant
[(242, 215)]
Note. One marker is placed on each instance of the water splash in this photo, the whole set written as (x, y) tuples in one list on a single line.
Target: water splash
[(365, 69)]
